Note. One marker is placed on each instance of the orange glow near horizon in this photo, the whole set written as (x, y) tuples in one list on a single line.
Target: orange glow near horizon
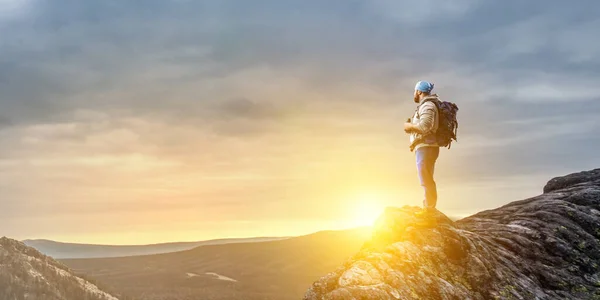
[(288, 181), (366, 208)]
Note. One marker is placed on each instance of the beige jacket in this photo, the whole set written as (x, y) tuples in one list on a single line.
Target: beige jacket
[(426, 121)]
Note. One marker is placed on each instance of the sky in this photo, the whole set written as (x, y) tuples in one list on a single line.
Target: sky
[(190, 120)]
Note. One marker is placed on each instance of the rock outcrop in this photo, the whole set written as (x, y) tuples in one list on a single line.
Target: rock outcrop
[(545, 247), (26, 274)]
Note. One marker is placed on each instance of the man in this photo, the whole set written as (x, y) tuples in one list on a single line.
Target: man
[(422, 130)]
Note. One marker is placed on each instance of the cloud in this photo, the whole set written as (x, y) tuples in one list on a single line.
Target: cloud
[(294, 102), (13, 9), (4, 121), (422, 13)]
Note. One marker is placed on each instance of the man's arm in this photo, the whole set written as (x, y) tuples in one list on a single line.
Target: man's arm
[(427, 114)]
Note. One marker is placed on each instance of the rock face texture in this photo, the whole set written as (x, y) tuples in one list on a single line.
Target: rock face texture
[(545, 247), (26, 274)]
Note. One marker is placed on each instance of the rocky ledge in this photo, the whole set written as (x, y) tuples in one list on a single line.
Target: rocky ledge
[(545, 247)]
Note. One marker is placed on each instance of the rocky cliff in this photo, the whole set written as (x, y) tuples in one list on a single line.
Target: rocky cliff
[(545, 247), (26, 274)]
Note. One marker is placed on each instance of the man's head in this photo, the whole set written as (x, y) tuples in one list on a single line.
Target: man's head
[(422, 89)]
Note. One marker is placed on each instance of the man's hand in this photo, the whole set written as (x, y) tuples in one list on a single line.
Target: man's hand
[(409, 127)]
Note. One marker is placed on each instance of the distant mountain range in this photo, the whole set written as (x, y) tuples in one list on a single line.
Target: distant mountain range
[(280, 269), (73, 250), (25, 273)]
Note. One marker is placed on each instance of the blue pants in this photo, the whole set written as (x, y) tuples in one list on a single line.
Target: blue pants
[(426, 157)]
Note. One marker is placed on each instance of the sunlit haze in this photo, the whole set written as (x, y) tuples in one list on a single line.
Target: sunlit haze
[(193, 120)]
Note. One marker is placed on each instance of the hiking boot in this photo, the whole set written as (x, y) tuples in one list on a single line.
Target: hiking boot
[(426, 212), (426, 223)]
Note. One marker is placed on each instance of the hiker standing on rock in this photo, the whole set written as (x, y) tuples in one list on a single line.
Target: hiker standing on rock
[(432, 126)]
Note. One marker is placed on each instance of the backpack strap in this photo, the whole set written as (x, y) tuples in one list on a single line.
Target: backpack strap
[(433, 99)]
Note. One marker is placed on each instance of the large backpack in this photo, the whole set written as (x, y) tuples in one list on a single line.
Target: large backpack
[(448, 124)]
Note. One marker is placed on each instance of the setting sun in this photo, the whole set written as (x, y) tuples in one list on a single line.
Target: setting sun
[(367, 207)]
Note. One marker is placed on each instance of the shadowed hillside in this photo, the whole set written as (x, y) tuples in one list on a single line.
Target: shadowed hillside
[(545, 247), (266, 270), (25, 273)]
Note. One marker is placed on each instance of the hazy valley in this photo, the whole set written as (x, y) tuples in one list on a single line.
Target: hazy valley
[(262, 270)]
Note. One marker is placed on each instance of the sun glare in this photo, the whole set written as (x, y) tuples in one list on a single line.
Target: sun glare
[(367, 208)]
